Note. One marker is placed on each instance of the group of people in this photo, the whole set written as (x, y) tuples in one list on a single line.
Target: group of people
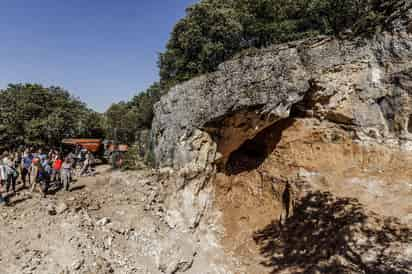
[(37, 169)]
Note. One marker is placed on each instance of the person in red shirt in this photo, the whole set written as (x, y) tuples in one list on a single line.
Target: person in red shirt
[(57, 166)]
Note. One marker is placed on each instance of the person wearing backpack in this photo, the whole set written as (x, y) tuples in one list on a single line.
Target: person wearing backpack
[(39, 177), (45, 174)]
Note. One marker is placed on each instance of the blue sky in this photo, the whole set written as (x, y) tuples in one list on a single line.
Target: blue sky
[(102, 51)]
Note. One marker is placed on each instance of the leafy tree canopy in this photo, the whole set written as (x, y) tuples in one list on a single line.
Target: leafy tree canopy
[(215, 30), (35, 115), (125, 119)]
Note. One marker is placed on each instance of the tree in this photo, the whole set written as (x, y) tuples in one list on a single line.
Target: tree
[(210, 33), (142, 106), (213, 31), (125, 119), (35, 115)]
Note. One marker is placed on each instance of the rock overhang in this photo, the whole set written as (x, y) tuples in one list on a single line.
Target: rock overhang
[(262, 86)]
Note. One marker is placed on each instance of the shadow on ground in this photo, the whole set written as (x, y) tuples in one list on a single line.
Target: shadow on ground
[(77, 188), (17, 201), (333, 235)]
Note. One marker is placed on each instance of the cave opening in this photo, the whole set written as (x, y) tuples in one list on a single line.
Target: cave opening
[(240, 153), (252, 153), (410, 124)]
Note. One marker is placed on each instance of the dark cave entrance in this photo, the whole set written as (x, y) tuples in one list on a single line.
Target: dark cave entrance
[(249, 154), (252, 153), (410, 124)]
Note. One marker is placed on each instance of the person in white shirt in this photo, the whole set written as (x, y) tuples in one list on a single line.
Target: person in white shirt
[(3, 177)]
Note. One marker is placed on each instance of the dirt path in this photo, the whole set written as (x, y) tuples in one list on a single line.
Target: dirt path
[(108, 224), (101, 226)]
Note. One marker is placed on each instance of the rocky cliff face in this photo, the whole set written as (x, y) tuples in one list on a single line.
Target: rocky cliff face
[(332, 115), (363, 83)]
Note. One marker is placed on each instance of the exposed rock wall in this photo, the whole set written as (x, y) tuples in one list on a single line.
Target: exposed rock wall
[(345, 103), (266, 86), (364, 83)]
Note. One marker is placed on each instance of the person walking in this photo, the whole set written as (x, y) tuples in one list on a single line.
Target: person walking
[(12, 175), (26, 163), (3, 179), (3, 171), (6, 159), (57, 166), (45, 175), (39, 177), (86, 164), (34, 170), (17, 159), (66, 171), (41, 155), (72, 158)]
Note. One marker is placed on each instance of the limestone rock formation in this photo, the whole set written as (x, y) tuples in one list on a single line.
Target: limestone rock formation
[(360, 82), (332, 115)]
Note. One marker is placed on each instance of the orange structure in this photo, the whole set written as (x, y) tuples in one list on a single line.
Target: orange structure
[(121, 148), (92, 145)]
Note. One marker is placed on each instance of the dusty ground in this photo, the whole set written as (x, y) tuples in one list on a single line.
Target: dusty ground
[(99, 227), (352, 214)]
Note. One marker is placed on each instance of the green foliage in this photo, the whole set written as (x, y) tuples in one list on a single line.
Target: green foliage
[(211, 32), (215, 30), (124, 120), (142, 105), (36, 115), (132, 159), (141, 153), (150, 157)]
